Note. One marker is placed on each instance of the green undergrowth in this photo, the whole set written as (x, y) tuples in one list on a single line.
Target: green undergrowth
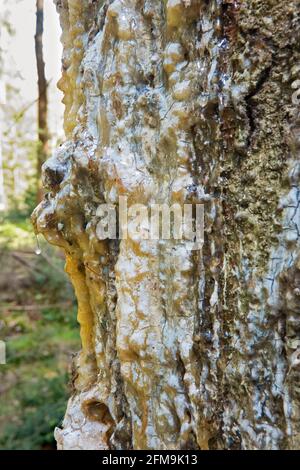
[(38, 324)]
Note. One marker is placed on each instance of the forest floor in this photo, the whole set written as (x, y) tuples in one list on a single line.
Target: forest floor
[(38, 324)]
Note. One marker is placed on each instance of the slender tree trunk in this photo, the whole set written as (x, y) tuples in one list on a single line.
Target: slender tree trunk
[(186, 101), (43, 136)]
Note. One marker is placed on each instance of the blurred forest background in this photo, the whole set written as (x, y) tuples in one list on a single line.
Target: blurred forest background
[(37, 305)]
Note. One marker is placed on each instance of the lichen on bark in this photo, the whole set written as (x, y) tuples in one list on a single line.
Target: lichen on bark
[(181, 101)]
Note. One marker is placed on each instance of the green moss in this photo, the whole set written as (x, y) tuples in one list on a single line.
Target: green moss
[(16, 235)]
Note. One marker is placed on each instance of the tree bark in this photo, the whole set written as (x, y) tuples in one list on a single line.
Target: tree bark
[(181, 101), (43, 136)]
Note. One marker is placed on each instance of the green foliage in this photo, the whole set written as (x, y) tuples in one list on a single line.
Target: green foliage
[(40, 339), (60, 316), (30, 198), (42, 407), (48, 276), (44, 342)]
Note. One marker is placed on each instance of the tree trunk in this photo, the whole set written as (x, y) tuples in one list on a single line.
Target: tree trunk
[(43, 136), (186, 101)]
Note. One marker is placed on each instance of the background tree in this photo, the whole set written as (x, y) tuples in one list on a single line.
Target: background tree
[(42, 98)]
